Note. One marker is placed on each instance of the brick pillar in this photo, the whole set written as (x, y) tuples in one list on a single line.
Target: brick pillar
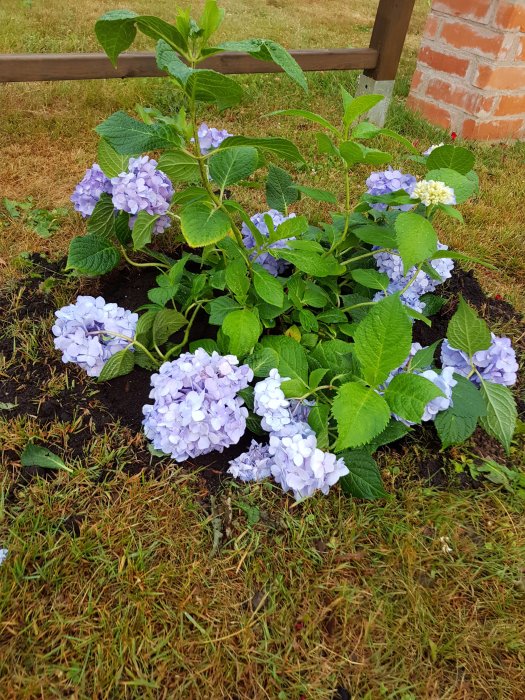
[(470, 75)]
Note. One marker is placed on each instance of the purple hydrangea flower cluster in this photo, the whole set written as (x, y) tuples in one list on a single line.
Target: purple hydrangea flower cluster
[(497, 364), (196, 408), (292, 457), (89, 190), (253, 465), (444, 381), (387, 181), (210, 138), (275, 267), (391, 264), (143, 188), (85, 332)]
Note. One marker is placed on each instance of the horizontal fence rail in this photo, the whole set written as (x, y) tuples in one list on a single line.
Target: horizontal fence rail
[(18, 68)]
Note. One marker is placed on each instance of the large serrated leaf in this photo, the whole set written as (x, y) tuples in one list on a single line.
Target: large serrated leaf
[(408, 394), (111, 162), (459, 159), (453, 429), (233, 164), (292, 357), (143, 229), (203, 225), (101, 223), (179, 166), (128, 136), (467, 331), (277, 146), (416, 239), (115, 32), (364, 478), (242, 329), (90, 255), (280, 189), (267, 287), (383, 340), (361, 414), (500, 420), (122, 362), (165, 323)]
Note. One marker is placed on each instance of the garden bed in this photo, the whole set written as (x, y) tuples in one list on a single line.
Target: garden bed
[(93, 408)]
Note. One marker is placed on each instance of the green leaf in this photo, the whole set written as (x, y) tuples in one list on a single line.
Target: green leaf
[(383, 340), (280, 189), (262, 361), (179, 167), (463, 186), (267, 287), (90, 255), (219, 308), (372, 279), (459, 159), (282, 148), (212, 87), (243, 329), (453, 429), (400, 139), (290, 228), (202, 225), (167, 322), (291, 357), (211, 18), (318, 195), (408, 394), (237, 279), (128, 136), (101, 223), (361, 414), (394, 431), (359, 105), (326, 145), (267, 50), (467, 399), (312, 263), (37, 456), (351, 152), (115, 32), (232, 165), (111, 162), (467, 331), (501, 417), (144, 328), (305, 114), (376, 235), (364, 478), (122, 229), (424, 358), (416, 239), (122, 362), (206, 343), (333, 356), (143, 229), (158, 29), (168, 60), (318, 422)]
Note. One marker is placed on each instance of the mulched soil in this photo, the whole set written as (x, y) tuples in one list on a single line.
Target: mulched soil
[(97, 407)]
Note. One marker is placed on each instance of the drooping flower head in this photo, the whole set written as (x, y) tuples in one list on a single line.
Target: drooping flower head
[(433, 192), (387, 181), (89, 190), (84, 332), (143, 188), (497, 364), (210, 138), (252, 465), (274, 267), (196, 406), (297, 464)]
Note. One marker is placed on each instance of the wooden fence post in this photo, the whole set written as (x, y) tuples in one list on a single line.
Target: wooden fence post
[(388, 38)]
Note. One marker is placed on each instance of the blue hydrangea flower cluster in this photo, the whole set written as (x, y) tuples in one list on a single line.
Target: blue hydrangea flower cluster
[(391, 264), (292, 456), (85, 332), (497, 364), (89, 190), (387, 181), (196, 406), (210, 138), (274, 267), (143, 188), (3, 555)]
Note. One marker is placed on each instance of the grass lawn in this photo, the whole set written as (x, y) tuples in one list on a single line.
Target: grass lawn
[(114, 586)]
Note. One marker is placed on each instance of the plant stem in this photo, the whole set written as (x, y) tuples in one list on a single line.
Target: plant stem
[(131, 341), (412, 279), (159, 265), (366, 255), (356, 306), (178, 347)]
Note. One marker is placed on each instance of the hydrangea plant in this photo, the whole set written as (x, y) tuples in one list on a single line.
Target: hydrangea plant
[(310, 322)]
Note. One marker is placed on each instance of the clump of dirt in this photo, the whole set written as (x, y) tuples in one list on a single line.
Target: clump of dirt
[(96, 408)]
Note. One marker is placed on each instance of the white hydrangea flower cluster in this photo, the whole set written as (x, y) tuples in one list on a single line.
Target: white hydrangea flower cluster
[(433, 192), (292, 456), (432, 148)]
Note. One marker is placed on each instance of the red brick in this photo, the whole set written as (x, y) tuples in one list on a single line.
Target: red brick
[(495, 130), (468, 99), (417, 79), (520, 55), (444, 62), (432, 27), (500, 77), (432, 112), (511, 16), (480, 41), (477, 10), (511, 104)]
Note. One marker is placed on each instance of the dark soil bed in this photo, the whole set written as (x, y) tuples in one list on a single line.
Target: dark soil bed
[(90, 409)]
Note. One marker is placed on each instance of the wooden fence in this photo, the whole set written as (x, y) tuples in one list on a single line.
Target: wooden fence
[(380, 61)]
